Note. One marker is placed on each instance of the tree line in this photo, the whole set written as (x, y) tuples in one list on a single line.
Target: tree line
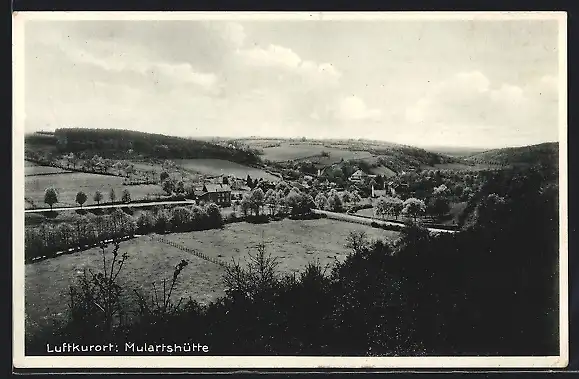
[(88, 230)]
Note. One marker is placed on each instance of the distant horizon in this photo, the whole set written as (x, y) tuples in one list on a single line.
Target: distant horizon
[(223, 137)]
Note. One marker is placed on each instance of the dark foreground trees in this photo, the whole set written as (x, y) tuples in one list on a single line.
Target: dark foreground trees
[(488, 290)]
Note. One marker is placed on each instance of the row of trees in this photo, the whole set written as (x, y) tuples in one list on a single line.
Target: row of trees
[(51, 196), (83, 231), (88, 230), (335, 201), (395, 207), (277, 202)]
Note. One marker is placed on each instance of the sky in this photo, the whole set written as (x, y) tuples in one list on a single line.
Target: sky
[(483, 83)]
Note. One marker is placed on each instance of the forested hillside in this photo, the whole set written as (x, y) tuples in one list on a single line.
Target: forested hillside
[(119, 144), (544, 153)]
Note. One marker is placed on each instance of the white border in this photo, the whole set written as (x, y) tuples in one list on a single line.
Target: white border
[(212, 362)]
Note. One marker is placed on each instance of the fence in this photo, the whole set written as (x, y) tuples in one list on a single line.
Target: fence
[(192, 251)]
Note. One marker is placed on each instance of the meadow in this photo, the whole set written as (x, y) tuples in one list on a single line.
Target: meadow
[(287, 151), (31, 169), (216, 167), (47, 282), (69, 184)]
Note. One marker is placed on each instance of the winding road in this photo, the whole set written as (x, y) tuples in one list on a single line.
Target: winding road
[(368, 220)]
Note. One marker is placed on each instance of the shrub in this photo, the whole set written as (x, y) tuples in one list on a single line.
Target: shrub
[(162, 222), (214, 217), (181, 219), (145, 222)]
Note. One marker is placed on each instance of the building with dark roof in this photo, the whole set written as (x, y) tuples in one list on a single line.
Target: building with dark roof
[(219, 194)]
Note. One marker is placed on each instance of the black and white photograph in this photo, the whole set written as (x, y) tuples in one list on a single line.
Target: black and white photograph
[(290, 190)]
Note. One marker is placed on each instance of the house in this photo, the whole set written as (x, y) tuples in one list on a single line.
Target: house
[(358, 176), (219, 194), (378, 192)]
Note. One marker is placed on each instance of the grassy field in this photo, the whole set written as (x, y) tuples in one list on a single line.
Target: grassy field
[(47, 282), (463, 166), (69, 184), (31, 169), (285, 240), (215, 167), (288, 151)]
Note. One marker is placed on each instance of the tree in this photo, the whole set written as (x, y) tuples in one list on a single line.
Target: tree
[(321, 201), (441, 190), (439, 206), (413, 208), (346, 197), (271, 200), (214, 216), (112, 195), (388, 206), (381, 207), (293, 200), (488, 211), (50, 197), (334, 203), (257, 200), (180, 218), (355, 197), (81, 198), (245, 204), (126, 198), (249, 182), (98, 196), (164, 175), (168, 186), (395, 206)]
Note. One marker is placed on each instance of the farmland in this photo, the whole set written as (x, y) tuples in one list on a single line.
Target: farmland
[(216, 167), (69, 184), (31, 169), (288, 151), (149, 261)]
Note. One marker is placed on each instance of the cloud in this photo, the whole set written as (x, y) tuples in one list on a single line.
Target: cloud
[(173, 72), (286, 60), (353, 108), (469, 105)]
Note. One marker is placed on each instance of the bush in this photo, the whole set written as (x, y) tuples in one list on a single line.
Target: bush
[(214, 216), (145, 222), (162, 222)]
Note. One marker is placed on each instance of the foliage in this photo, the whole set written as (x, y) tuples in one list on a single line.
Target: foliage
[(50, 197), (126, 197), (98, 197), (414, 208), (81, 198)]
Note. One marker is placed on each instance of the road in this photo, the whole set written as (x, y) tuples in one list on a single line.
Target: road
[(368, 221), (123, 205)]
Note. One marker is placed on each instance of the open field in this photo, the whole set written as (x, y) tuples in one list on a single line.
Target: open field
[(325, 240), (31, 168), (287, 151), (69, 184), (215, 167), (463, 166), (47, 281)]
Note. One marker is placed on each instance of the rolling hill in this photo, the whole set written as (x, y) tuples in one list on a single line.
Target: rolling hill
[(542, 154), (124, 144)]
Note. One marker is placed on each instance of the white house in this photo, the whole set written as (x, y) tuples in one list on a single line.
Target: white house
[(358, 176)]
